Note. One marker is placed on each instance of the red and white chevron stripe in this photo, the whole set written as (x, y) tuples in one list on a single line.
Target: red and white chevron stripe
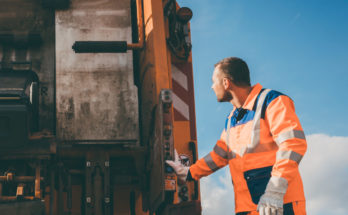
[(180, 92), (183, 94)]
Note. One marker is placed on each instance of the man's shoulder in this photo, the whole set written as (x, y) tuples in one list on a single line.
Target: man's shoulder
[(272, 95)]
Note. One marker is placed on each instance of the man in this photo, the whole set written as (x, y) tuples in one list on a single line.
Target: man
[(262, 142)]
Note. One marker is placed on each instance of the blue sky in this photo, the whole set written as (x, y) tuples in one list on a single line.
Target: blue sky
[(297, 47)]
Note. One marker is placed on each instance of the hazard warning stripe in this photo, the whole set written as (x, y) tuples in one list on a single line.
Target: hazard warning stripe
[(183, 95), (178, 116), (181, 98), (181, 92), (181, 106), (179, 77)]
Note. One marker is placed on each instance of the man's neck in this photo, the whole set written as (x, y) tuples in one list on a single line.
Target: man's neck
[(240, 96)]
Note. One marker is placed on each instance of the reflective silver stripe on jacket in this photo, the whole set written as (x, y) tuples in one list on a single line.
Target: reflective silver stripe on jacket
[(230, 154), (291, 155), (211, 164), (290, 135), (228, 132), (255, 132), (220, 151)]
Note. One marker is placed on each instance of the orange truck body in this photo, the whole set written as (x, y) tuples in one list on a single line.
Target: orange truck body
[(108, 96)]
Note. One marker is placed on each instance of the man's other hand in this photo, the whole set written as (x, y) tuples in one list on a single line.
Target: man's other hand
[(271, 203)]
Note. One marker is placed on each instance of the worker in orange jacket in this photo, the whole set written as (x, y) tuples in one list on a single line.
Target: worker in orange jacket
[(262, 142)]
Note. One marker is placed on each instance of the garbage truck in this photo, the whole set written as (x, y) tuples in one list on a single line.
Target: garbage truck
[(95, 95)]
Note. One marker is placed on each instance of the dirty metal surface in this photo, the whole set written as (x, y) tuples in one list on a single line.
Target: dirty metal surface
[(18, 18), (23, 208), (96, 96)]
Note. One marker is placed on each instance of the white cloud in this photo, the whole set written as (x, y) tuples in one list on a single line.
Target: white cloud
[(324, 171), (217, 194)]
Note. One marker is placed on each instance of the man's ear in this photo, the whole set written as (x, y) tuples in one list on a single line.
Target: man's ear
[(226, 83)]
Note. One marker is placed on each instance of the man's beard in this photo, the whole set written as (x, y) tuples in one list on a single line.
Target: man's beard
[(227, 97)]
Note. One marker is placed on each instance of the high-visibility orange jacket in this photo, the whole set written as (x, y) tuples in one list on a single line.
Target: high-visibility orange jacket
[(261, 139)]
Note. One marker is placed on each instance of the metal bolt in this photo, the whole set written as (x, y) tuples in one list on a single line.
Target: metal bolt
[(88, 163), (9, 176), (167, 130), (184, 189), (88, 199), (107, 163), (107, 200)]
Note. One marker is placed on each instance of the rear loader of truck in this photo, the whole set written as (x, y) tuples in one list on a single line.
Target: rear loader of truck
[(94, 97)]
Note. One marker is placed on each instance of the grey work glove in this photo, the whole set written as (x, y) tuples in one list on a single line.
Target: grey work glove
[(180, 170), (271, 202)]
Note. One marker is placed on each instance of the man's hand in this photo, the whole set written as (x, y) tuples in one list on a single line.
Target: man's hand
[(180, 170), (271, 202)]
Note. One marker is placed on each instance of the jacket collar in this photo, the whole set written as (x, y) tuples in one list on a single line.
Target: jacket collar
[(249, 102)]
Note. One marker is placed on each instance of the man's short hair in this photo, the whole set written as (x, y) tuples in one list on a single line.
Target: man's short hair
[(235, 69)]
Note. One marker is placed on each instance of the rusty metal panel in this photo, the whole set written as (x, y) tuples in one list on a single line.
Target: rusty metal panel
[(19, 19), (96, 96)]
